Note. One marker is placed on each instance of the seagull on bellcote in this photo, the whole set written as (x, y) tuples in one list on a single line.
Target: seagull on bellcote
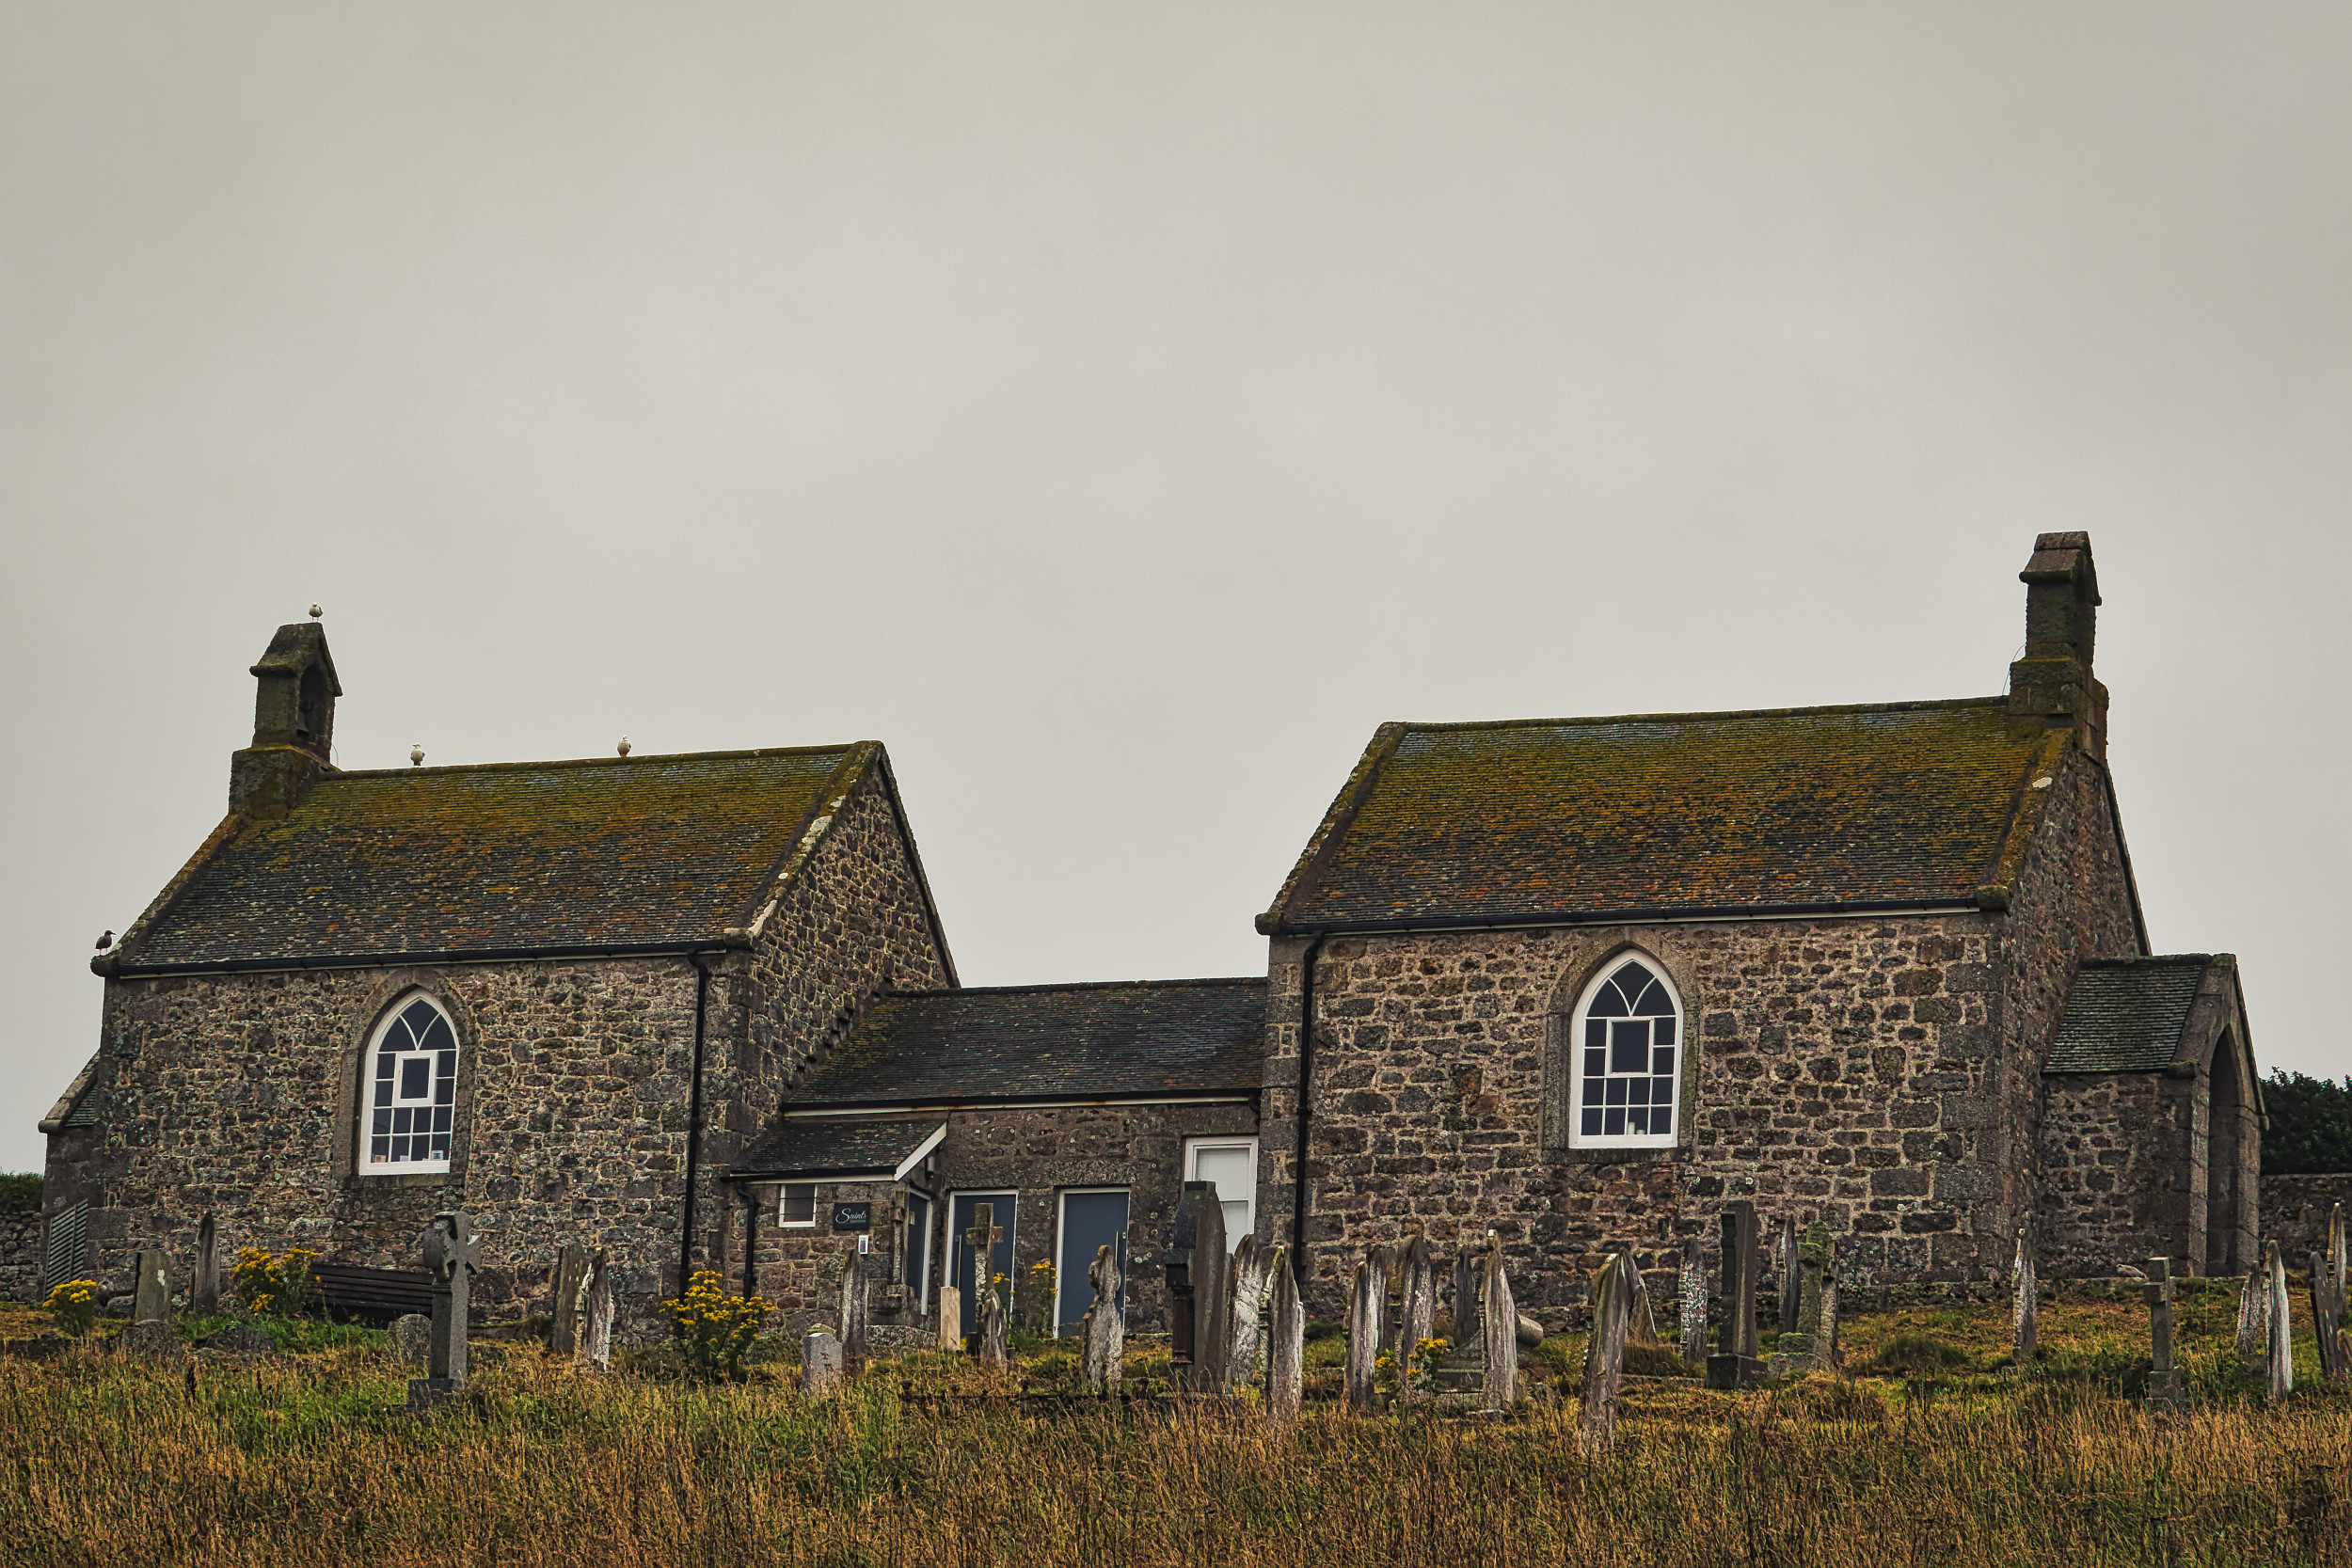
[(107, 941), (316, 612)]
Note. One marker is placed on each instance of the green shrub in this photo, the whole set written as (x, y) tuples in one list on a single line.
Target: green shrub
[(2311, 1124), (19, 1192)]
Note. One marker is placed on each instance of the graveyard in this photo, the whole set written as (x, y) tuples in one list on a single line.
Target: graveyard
[(2132, 1419)]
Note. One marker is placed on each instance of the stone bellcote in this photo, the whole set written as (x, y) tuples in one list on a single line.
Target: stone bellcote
[(2051, 687), (293, 723)]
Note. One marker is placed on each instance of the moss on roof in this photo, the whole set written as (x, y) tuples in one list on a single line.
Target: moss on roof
[(1901, 804), (604, 853)]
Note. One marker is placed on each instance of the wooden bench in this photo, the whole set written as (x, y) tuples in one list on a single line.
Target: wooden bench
[(373, 1295)]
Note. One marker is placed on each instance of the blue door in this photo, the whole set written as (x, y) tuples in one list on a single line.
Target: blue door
[(961, 1217), (1089, 1222)]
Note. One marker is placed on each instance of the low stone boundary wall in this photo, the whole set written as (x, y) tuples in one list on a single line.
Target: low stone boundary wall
[(2295, 1211), (20, 1256)]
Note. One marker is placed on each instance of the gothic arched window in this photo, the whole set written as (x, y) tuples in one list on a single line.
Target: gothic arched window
[(1628, 1058), (412, 1091)]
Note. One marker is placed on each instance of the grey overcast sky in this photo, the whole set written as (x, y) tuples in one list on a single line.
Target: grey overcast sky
[(1118, 411)]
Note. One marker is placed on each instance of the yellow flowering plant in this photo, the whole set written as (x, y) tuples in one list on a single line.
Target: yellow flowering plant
[(714, 1329), (73, 1305), (275, 1284)]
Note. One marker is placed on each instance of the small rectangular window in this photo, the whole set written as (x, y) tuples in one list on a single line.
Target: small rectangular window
[(798, 1205), (1232, 1164)]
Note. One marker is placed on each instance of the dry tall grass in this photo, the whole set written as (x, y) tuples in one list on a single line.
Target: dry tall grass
[(299, 1462)]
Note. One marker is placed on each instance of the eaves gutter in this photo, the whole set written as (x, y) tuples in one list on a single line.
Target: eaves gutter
[(413, 957), (1664, 915), (937, 1107)]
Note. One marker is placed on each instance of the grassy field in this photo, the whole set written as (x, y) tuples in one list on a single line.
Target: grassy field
[(1952, 1459)]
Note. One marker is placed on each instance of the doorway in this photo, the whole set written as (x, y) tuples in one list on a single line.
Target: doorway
[(1089, 1221), (962, 1213)]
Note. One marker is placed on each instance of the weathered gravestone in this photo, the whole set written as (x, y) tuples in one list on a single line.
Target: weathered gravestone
[(1693, 1302), (1641, 1318), (408, 1341), (854, 1311), (1604, 1357), (820, 1363), (1245, 1289), (1416, 1312), (595, 1334), (1196, 1267), (1367, 1309), (204, 1285), (150, 1333), (2253, 1313), (571, 1291), (1462, 1297), (988, 1304), (950, 1317), (449, 1260), (1735, 1364), (2025, 1318), (1103, 1329), (1792, 1276), (1498, 1327), (2164, 1381), (1810, 1344), (2281, 1363), (2328, 1303), (1285, 1343)]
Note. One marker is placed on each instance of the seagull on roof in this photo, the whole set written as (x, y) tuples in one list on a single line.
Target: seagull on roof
[(415, 755), (107, 941), (316, 612), (624, 746)]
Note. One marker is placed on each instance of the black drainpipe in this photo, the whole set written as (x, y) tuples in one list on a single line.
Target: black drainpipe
[(1306, 1084), (693, 1125), (751, 1237)]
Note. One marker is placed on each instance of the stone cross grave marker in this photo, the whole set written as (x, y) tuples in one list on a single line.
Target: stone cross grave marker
[(204, 1285), (820, 1363), (449, 1262), (1498, 1327), (2164, 1383), (2328, 1303), (1286, 1342), (856, 1310), (1416, 1312), (596, 1294), (1246, 1283), (2025, 1318), (979, 1244), (1604, 1357), (1792, 1276), (950, 1317), (1735, 1364), (2282, 1363), (1104, 1330), (1693, 1303), (571, 1287), (1367, 1309), (2253, 1313)]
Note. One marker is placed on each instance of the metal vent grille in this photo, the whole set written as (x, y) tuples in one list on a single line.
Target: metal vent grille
[(66, 1256)]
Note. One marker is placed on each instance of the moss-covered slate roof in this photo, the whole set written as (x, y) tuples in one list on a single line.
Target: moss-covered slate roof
[(2127, 1015), (807, 1150), (1125, 1040), (1908, 804), (607, 853)]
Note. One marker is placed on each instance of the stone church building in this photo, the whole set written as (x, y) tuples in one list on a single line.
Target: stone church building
[(1574, 981)]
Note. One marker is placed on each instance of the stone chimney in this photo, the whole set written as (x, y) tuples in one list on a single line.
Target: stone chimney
[(2051, 688), (293, 725)]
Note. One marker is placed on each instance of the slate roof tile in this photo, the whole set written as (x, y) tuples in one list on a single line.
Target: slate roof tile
[(2126, 1015), (604, 853), (1801, 808), (1133, 1040), (815, 1149)]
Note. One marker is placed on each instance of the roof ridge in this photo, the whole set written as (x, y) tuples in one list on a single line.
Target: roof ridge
[(2145, 960), (1075, 985), (635, 760), (1924, 705)]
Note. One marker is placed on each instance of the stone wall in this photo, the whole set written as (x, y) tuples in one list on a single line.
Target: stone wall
[(2116, 1160), (2295, 1213), (20, 1256), (1037, 1154)]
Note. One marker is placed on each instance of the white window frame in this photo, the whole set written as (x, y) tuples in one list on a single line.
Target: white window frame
[(1192, 1160), (784, 1191), (367, 1162), (1577, 1138), (1061, 1218)]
